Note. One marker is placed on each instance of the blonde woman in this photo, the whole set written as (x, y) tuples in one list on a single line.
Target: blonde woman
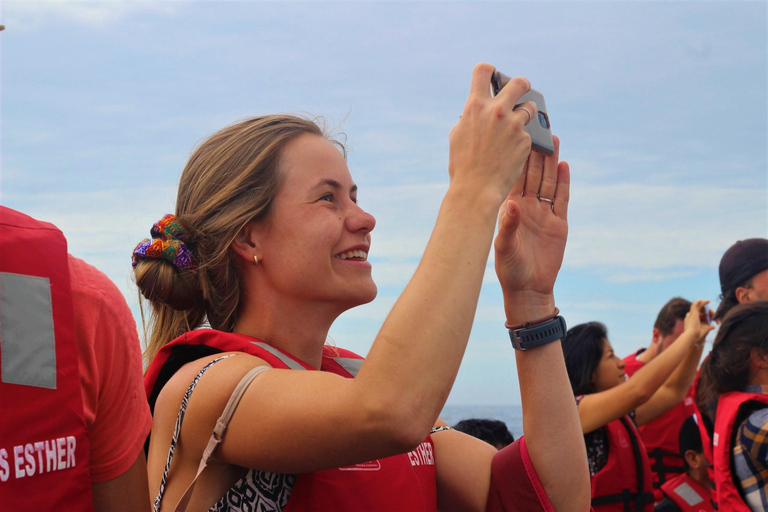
[(269, 245)]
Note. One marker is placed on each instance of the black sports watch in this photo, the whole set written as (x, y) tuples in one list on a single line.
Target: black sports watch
[(530, 336)]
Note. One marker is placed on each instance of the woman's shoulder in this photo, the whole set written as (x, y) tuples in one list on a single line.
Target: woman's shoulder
[(204, 384), (211, 368)]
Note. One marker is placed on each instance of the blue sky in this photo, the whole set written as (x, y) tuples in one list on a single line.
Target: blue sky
[(662, 109)]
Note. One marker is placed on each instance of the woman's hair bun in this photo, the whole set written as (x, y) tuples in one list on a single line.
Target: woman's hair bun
[(162, 282)]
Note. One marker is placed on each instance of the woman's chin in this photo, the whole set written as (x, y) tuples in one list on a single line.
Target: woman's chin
[(362, 296)]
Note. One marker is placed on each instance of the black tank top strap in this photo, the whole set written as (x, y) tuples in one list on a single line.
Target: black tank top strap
[(177, 430)]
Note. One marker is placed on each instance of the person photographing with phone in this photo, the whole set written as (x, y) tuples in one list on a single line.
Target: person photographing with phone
[(612, 406), (269, 246), (661, 435)]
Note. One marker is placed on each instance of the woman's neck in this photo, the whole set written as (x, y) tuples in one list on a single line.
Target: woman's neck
[(298, 329)]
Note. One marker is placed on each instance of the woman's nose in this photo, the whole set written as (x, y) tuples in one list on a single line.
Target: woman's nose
[(360, 220)]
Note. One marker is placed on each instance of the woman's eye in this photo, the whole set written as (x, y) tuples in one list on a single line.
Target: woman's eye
[(327, 197)]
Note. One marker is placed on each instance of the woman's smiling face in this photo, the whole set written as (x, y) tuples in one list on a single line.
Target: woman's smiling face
[(315, 241)]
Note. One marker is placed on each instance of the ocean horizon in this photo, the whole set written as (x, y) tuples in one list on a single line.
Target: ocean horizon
[(512, 415)]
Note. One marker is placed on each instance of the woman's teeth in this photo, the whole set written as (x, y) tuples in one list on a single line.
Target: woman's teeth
[(361, 255)]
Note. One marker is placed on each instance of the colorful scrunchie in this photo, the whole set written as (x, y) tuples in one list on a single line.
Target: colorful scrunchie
[(167, 235)]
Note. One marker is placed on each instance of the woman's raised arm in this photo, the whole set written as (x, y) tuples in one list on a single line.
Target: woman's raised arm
[(423, 339), (597, 409), (529, 250), (402, 386), (679, 383)]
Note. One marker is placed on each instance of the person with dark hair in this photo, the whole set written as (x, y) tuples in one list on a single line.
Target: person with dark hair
[(735, 377), (610, 406), (660, 435), (690, 491), (743, 274), (493, 432), (269, 245)]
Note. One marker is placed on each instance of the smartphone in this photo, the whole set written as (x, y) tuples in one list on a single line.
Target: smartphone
[(539, 128)]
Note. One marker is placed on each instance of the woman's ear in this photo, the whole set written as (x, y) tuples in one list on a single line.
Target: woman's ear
[(743, 294), (758, 358), (247, 243), (593, 381)]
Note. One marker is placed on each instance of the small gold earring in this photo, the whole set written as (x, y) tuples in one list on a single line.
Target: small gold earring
[(255, 260)]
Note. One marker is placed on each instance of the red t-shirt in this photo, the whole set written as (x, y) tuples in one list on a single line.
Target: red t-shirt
[(632, 364), (115, 406)]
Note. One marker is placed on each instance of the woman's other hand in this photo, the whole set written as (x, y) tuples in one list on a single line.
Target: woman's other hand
[(533, 228)]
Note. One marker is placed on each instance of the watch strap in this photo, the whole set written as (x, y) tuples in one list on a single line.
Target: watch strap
[(535, 335)]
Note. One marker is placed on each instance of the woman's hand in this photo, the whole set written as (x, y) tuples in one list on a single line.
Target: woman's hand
[(488, 146), (533, 228), (696, 320)]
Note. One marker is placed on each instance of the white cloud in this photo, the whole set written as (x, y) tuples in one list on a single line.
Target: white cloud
[(489, 313), (102, 227), (393, 272), (644, 242), (376, 310), (26, 15), (621, 307), (636, 231), (648, 275), (623, 232)]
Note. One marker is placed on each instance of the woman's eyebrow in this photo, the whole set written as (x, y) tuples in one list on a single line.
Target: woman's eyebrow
[(333, 184)]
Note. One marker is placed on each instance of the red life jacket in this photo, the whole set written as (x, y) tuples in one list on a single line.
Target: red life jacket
[(729, 410), (624, 483), (660, 436), (44, 443), (400, 482), (688, 494)]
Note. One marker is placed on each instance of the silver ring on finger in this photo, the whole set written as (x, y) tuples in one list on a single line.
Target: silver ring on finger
[(530, 116), (546, 199)]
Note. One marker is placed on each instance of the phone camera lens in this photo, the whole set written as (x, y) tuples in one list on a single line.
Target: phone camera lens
[(543, 120)]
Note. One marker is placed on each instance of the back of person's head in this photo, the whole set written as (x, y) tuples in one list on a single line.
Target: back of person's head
[(493, 432), (690, 439), (674, 310), (739, 264), (583, 348), (230, 180), (742, 335)]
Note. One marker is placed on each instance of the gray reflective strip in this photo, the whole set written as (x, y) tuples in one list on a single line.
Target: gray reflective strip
[(27, 338), (690, 496), (290, 363), (349, 364)]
